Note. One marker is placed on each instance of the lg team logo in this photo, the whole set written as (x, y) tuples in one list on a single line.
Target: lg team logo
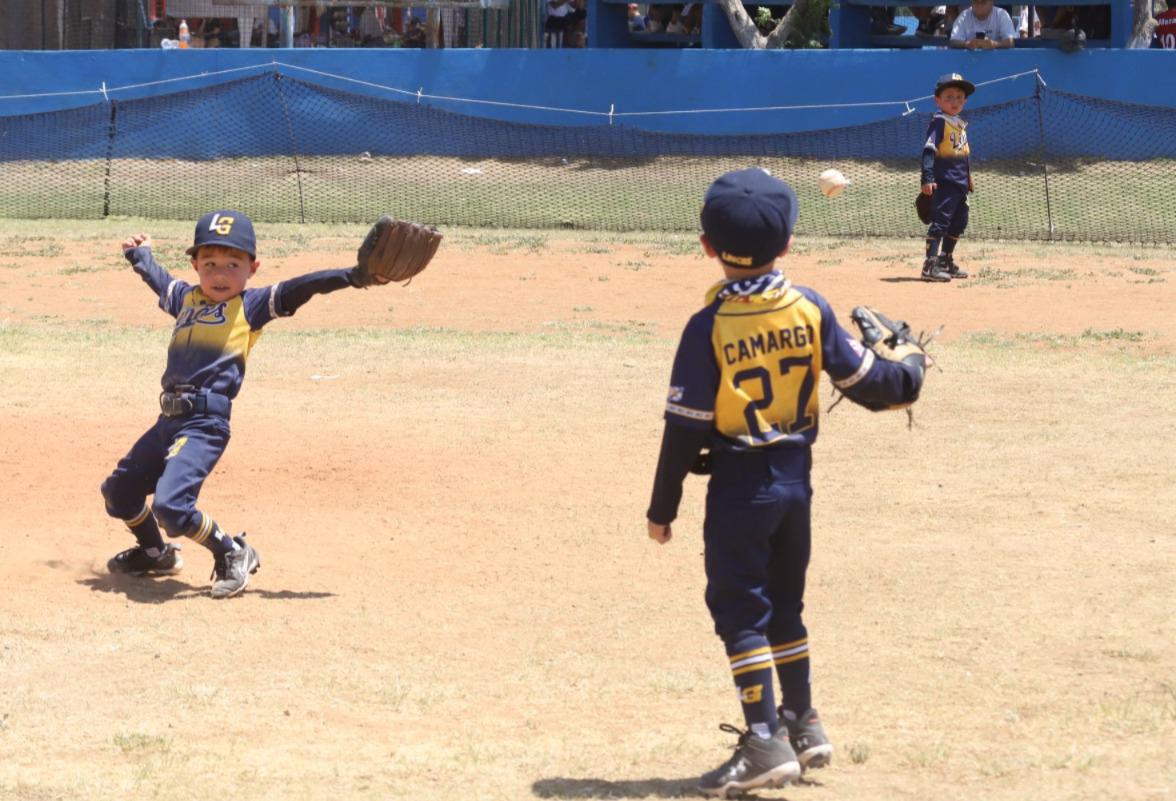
[(203, 315), (221, 224), (676, 394)]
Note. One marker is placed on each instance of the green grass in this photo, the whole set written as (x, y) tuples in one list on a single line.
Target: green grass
[(594, 194), (1113, 336)]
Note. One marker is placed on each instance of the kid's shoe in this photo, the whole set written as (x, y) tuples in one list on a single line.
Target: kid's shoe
[(232, 571), (136, 562), (808, 739), (756, 763), (933, 270), (948, 265)]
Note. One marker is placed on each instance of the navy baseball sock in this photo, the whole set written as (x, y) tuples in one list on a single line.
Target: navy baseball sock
[(792, 666), (932, 247), (146, 531), (949, 243), (213, 537), (751, 667)]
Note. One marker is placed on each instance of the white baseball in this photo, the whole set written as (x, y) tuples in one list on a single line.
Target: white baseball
[(832, 183)]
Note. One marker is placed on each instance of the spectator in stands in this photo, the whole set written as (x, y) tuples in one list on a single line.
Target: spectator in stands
[(414, 33), (371, 26), (556, 22), (636, 18), (576, 27), (659, 17), (882, 21), (1023, 23), (983, 27), (932, 20)]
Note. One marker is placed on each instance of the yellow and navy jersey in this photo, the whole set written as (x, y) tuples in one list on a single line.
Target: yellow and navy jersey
[(946, 147), (211, 339), (748, 364)]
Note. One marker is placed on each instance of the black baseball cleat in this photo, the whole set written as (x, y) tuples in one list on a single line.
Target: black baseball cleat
[(756, 763), (808, 739), (948, 265), (232, 571), (136, 562), (933, 270)]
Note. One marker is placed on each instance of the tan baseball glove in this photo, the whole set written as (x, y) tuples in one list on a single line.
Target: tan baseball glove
[(394, 251)]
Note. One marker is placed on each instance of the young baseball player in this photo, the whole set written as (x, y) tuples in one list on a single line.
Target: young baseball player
[(217, 323), (743, 406), (947, 177)]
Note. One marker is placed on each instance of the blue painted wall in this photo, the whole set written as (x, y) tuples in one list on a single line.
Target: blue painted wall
[(628, 81)]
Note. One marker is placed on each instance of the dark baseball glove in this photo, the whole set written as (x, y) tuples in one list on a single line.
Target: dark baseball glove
[(394, 250), (923, 208), (894, 342)]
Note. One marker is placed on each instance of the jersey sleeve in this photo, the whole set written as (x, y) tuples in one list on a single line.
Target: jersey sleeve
[(934, 134), (865, 379), (261, 305), (694, 380), (171, 291), (293, 293)]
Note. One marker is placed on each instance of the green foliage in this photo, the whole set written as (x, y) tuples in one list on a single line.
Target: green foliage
[(811, 29)]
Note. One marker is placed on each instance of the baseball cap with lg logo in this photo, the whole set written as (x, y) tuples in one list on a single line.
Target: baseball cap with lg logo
[(229, 229)]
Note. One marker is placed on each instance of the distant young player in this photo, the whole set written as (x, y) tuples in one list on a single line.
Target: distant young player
[(743, 406), (217, 323), (947, 177)]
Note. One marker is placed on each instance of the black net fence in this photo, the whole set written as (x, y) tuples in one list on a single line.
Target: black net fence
[(1050, 166)]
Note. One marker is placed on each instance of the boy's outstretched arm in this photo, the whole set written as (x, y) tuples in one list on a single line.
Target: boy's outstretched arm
[(137, 250), (295, 292)]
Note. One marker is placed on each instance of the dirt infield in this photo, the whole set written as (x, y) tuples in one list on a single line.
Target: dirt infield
[(457, 600)]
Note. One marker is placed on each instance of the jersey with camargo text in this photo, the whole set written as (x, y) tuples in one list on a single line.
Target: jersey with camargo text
[(947, 138), (748, 364), (211, 339)]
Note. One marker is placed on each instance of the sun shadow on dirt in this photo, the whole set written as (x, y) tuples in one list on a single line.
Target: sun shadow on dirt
[(145, 590), (602, 788), (901, 279)]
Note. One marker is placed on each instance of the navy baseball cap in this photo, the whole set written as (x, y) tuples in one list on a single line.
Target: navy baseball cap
[(229, 229), (956, 80), (748, 217)]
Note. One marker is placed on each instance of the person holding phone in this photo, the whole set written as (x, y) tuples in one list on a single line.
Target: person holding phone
[(983, 26)]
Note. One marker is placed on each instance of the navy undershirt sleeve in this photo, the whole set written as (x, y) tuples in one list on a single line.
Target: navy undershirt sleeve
[(680, 448), (297, 291)]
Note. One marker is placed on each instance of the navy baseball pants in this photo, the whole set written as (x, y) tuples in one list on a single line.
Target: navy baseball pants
[(757, 536), (949, 213), (171, 460)]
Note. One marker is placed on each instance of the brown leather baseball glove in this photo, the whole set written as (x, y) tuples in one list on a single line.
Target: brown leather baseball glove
[(394, 250)]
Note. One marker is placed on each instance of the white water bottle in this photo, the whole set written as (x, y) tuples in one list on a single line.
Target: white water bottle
[(185, 36)]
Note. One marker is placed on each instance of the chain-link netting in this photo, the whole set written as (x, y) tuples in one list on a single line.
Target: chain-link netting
[(1049, 166)]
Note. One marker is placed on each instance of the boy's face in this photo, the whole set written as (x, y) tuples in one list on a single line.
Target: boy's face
[(223, 271), (981, 9), (951, 100)]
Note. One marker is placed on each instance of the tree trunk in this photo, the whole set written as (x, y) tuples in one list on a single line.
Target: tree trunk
[(1144, 27), (742, 26), (748, 34)]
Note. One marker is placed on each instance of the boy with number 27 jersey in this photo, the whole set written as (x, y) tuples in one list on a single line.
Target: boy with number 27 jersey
[(743, 407)]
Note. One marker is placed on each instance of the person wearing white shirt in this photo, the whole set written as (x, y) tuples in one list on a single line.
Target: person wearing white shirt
[(983, 27)]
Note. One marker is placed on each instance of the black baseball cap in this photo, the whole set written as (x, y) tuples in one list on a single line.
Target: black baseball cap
[(227, 228), (956, 80), (748, 217)]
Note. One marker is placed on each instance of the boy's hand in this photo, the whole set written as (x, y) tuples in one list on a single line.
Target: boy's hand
[(929, 189), (660, 533), (136, 241), (971, 184)]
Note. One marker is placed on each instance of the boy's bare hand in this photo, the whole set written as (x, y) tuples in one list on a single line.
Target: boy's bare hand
[(136, 241), (660, 532), (929, 189)]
